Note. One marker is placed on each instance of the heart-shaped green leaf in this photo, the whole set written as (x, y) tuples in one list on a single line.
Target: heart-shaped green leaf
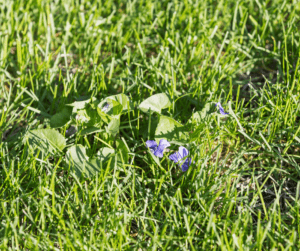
[(122, 99), (61, 118), (105, 153), (77, 105), (116, 107), (113, 125), (155, 103), (78, 160), (93, 116), (47, 140), (105, 117), (171, 130)]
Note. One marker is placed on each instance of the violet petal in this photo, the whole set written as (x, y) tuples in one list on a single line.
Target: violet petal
[(152, 145), (178, 157), (221, 109), (161, 147), (174, 157), (185, 166), (183, 152)]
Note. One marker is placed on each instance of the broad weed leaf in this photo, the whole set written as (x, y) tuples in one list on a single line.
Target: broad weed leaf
[(114, 110), (113, 125), (116, 107), (120, 99), (94, 118), (61, 118), (78, 105), (79, 162), (88, 117), (47, 140), (105, 117), (171, 130), (155, 103), (123, 100), (105, 153)]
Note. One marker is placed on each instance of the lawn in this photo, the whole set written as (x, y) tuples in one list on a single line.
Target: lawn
[(149, 125)]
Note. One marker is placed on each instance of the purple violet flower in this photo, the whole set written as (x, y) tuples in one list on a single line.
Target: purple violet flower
[(221, 109), (178, 157), (105, 107), (157, 150)]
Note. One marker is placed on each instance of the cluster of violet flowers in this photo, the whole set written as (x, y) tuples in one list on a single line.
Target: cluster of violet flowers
[(179, 156)]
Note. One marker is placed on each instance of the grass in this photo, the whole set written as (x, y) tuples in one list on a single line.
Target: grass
[(241, 192)]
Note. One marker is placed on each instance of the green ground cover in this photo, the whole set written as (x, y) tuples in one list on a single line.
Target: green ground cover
[(85, 84)]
